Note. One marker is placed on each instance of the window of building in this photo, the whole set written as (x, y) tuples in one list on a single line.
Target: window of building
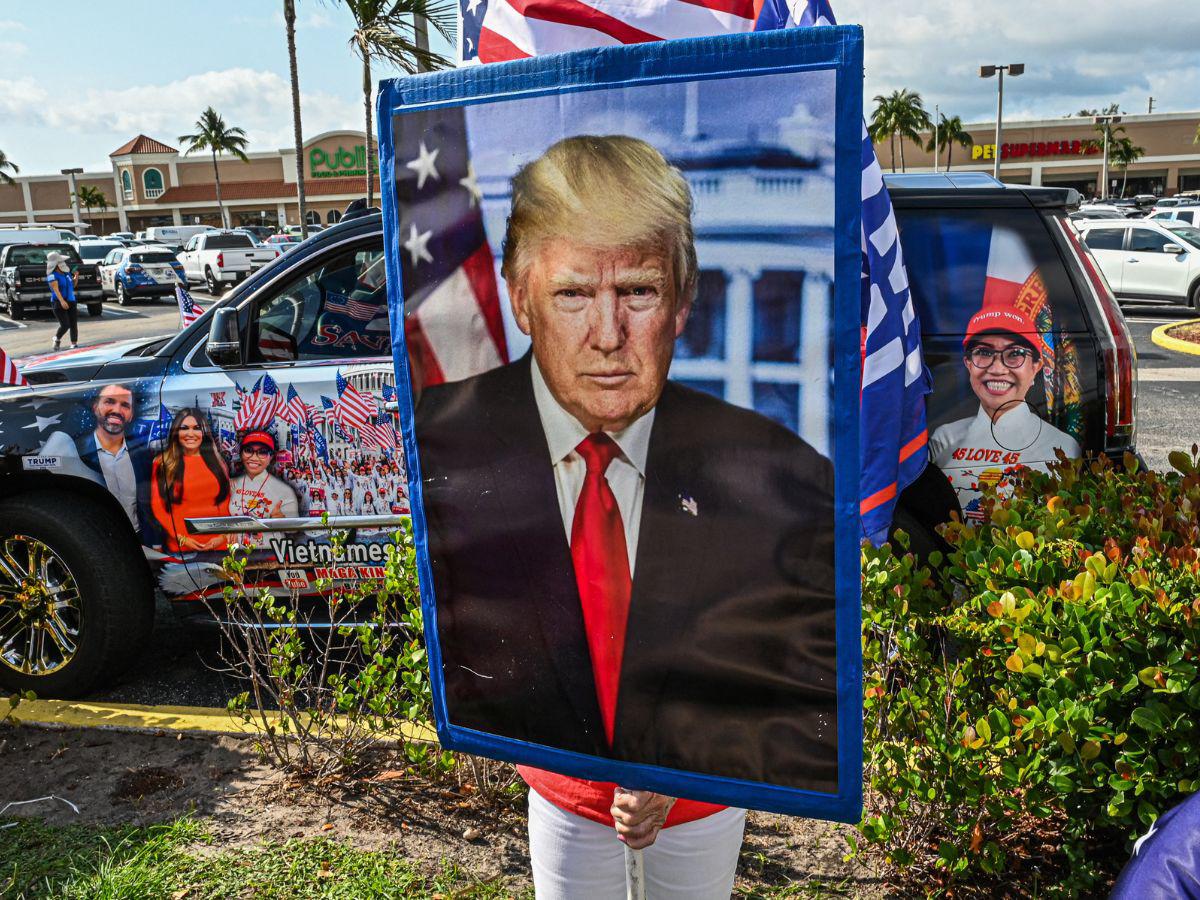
[(704, 336), (778, 401), (126, 184), (777, 311), (152, 183), (312, 217), (333, 217)]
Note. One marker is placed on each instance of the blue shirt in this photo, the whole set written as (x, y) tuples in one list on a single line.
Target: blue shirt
[(1166, 860), (66, 287)]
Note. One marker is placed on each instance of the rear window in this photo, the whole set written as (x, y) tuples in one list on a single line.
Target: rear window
[(35, 255), (93, 250), (153, 256), (227, 242), (1104, 238), (957, 257)]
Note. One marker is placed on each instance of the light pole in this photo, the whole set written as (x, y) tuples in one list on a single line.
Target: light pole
[(1013, 69), (936, 115), (1106, 122), (71, 173)]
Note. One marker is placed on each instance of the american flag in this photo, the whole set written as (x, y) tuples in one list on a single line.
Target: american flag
[(354, 309), (383, 431), (328, 415), (259, 407), (9, 373), (353, 407), (295, 410), (453, 326), (189, 309), (892, 446)]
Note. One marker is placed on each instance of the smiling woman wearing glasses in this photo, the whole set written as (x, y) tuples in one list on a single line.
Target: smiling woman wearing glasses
[(1002, 359), (254, 490)]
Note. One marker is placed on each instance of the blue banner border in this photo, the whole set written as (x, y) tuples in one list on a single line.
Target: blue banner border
[(839, 48)]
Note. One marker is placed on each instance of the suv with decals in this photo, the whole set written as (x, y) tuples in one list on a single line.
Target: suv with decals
[(23, 278), (279, 406)]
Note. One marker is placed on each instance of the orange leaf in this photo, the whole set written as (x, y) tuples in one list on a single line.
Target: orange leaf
[(977, 838)]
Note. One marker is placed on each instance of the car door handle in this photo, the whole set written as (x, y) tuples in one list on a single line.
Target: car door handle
[(1132, 259)]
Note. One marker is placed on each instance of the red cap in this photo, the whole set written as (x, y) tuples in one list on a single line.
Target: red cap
[(258, 437), (1003, 319)]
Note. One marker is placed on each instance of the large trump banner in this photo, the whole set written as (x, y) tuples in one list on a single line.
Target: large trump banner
[(624, 297)]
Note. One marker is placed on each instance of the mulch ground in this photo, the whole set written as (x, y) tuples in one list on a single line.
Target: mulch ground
[(141, 779), (1189, 331)]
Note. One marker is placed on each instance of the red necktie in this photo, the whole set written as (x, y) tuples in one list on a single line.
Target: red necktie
[(601, 572)]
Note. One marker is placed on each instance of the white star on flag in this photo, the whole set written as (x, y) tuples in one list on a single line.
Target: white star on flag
[(44, 422), (471, 185), (416, 245), (473, 5), (424, 166)]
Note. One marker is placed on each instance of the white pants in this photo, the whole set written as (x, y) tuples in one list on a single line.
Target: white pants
[(575, 858)]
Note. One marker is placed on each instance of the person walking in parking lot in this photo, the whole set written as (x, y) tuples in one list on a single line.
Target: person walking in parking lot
[(62, 298)]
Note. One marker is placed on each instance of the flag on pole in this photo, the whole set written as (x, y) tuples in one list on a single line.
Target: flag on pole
[(353, 408), (9, 373), (259, 407), (189, 309), (892, 431), (295, 410)]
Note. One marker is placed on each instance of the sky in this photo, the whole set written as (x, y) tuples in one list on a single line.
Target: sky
[(78, 79)]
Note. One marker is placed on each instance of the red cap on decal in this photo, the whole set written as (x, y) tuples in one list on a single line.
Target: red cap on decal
[(258, 437), (1001, 319)]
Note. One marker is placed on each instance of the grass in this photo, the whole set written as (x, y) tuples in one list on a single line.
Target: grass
[(180, 861)]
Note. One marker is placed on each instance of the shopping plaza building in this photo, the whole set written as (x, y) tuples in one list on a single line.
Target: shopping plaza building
[(1063, 153), (152, 183)]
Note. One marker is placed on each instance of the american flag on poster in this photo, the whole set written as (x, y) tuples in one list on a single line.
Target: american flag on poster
[(295, 410), (259, 406), (189, 309), (351, 308), (453, 324), (353, 408), (9, 373), (893, 436)]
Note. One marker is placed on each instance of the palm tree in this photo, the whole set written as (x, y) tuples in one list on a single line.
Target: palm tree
[(1123, 153), (91, 196), (391, 31), (289, 18), (213, 135), (950, 132), (6, 166), (900, 114)]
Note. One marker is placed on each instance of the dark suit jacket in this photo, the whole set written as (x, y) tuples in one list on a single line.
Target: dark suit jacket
[(729, 661), (142, 461)]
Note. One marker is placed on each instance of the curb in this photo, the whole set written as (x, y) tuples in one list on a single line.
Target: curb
[(1159, 336), (136, 717)]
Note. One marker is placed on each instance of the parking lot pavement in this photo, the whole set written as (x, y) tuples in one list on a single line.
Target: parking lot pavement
[(146, 318), (1168, 385)]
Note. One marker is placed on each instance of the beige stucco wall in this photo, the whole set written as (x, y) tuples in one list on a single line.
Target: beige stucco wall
[(11, 198), (199, 170)]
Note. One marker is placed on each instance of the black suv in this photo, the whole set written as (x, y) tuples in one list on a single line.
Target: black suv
[(313, 324)]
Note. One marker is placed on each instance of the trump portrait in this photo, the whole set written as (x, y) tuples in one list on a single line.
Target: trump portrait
[(623, 566)]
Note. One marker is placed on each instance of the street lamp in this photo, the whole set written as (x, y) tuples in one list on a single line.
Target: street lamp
[(71, 173), (1107, 122), (1013, 69)]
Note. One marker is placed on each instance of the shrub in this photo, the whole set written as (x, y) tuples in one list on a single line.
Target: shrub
[(1039, 679)]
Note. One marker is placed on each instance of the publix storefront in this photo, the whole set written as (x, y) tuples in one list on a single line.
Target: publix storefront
[(152, 183)]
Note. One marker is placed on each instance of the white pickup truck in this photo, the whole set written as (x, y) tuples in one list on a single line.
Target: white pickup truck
[(217, 257)]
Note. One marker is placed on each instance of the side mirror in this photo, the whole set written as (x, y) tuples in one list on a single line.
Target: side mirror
[(1173, 248), (224, 345)]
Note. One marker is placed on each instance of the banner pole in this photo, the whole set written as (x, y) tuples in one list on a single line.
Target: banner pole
[(635, 874)]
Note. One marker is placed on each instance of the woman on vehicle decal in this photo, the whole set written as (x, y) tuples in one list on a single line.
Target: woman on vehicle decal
[(189, 480)]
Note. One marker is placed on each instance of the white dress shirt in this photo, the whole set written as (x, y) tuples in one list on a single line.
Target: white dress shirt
[(117, 469), (626, 474)]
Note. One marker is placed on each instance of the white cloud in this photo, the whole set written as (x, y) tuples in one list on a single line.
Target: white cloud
[(257, 101), (1077, 55)]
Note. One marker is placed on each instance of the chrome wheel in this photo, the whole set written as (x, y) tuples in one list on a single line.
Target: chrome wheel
[(41, 615)]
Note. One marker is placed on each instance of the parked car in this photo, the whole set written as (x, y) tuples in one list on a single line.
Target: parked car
[(223, 257), (146, 270), (23, 278), (260, 232), (35, 234), (1096, 212), (298, 231), (119, 236), (319, 317), (1188, 214), (283, 242), (94, 251), (1145, 260), (176, 234)]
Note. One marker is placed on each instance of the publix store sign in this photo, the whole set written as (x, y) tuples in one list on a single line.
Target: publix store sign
[(339, 163)]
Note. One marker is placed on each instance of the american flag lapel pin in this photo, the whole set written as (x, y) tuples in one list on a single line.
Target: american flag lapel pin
[(689, 505)]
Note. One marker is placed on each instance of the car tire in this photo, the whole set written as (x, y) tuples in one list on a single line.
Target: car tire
[(95, 310), (210, 281), (16, 311), (1194, 297), (123, 298), (101, 592)]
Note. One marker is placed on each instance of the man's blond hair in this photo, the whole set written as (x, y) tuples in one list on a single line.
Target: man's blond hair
[(605, 191)]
